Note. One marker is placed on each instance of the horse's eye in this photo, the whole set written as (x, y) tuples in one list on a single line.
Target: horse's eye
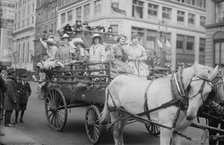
[(209, 71)]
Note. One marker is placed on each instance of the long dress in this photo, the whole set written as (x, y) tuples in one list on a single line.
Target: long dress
[(97, 54), (119, 58), (136, 57)]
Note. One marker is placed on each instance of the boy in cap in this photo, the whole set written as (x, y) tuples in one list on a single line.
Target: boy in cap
[(24, 91)]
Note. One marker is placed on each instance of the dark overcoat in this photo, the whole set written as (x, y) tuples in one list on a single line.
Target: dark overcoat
[(2, 91), (11, 95), (24, 92)]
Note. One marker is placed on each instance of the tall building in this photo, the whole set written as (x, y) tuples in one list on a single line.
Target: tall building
[(46, 20), (182, 22), (23, 34), (7, 12), (214, 54)]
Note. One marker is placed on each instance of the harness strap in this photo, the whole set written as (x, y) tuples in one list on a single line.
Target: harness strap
[(146, 107), (110, 95)]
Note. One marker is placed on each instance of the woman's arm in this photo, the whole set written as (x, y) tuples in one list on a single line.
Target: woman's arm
[(43, 43)]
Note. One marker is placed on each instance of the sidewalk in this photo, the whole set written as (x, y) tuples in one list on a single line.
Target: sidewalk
[(15, 137)]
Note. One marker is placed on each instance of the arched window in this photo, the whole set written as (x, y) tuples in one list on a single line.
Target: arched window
[(218, 39)]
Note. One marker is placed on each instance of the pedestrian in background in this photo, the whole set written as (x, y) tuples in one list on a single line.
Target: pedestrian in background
[(24, 91), (11, 96), (2, 93)]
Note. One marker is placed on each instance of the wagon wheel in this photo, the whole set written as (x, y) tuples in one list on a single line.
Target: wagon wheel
[(56, 108), (93, 124), (153, 129)]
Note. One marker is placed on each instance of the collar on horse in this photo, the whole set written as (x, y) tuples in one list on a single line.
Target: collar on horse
[(178, 90)]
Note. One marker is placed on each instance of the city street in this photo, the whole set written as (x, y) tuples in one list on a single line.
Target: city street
[(36, 127)]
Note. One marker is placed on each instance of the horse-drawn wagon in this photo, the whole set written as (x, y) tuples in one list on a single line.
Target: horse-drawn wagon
[(79, 84)]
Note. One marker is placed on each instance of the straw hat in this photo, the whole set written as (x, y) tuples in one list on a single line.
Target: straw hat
[(79, 41), (51, 41), (96, 36), (65, 36)]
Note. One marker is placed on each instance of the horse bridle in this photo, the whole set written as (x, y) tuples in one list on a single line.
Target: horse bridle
[(205, 80)]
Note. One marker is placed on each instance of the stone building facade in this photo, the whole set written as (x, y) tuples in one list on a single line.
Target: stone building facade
[(182, 22)]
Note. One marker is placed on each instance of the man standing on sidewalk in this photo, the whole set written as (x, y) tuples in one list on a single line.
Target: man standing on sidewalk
[(10, 97), (2, 91)]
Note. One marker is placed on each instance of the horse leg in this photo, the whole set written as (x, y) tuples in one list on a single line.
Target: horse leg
[(121, 131), (116, 127), (165, 136)]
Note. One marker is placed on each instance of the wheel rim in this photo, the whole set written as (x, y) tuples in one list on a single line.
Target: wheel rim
[(93, 124), (153, 129), (56, 109)]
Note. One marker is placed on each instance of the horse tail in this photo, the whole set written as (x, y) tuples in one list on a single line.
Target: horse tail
[(105, 112)]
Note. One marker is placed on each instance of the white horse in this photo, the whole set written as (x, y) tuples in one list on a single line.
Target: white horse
[(129, 93)]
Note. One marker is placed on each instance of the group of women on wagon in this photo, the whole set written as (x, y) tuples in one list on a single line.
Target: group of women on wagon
[(125, 58)]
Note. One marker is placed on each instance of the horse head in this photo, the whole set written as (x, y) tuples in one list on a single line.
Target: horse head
[(199, 88), (218, 88)]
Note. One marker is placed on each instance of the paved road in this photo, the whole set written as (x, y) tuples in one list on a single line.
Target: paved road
[(36, 126)]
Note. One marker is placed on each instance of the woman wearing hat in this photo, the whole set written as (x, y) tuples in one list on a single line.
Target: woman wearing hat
[(136, 57), (65, 50), (78, 49), (52, 52), (97, 50), (119, 55)]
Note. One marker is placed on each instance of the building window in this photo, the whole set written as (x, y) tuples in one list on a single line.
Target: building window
[(167, 12), (190, 43), (191, 18), (86, 12), (27, 53), (28, 10), (219, 12), (152, 10), (23, 25), (23, 13), (219, 53), (63, 18), (70, 15), (28, 22), (79, 13), (23, 53), (180, 41), (33, 8), (180, 16), (201, 3), (137, 8), (202, 21), (97, 6), (115, 28), (32, 20), (202, 45)]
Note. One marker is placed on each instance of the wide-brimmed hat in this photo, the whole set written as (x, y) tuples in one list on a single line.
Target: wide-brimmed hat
[(79, 41), (65, 36), (10, 71), (96, 36), (51, 41)]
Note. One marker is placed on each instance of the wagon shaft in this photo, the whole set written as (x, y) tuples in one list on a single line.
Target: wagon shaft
[(204, 127)]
